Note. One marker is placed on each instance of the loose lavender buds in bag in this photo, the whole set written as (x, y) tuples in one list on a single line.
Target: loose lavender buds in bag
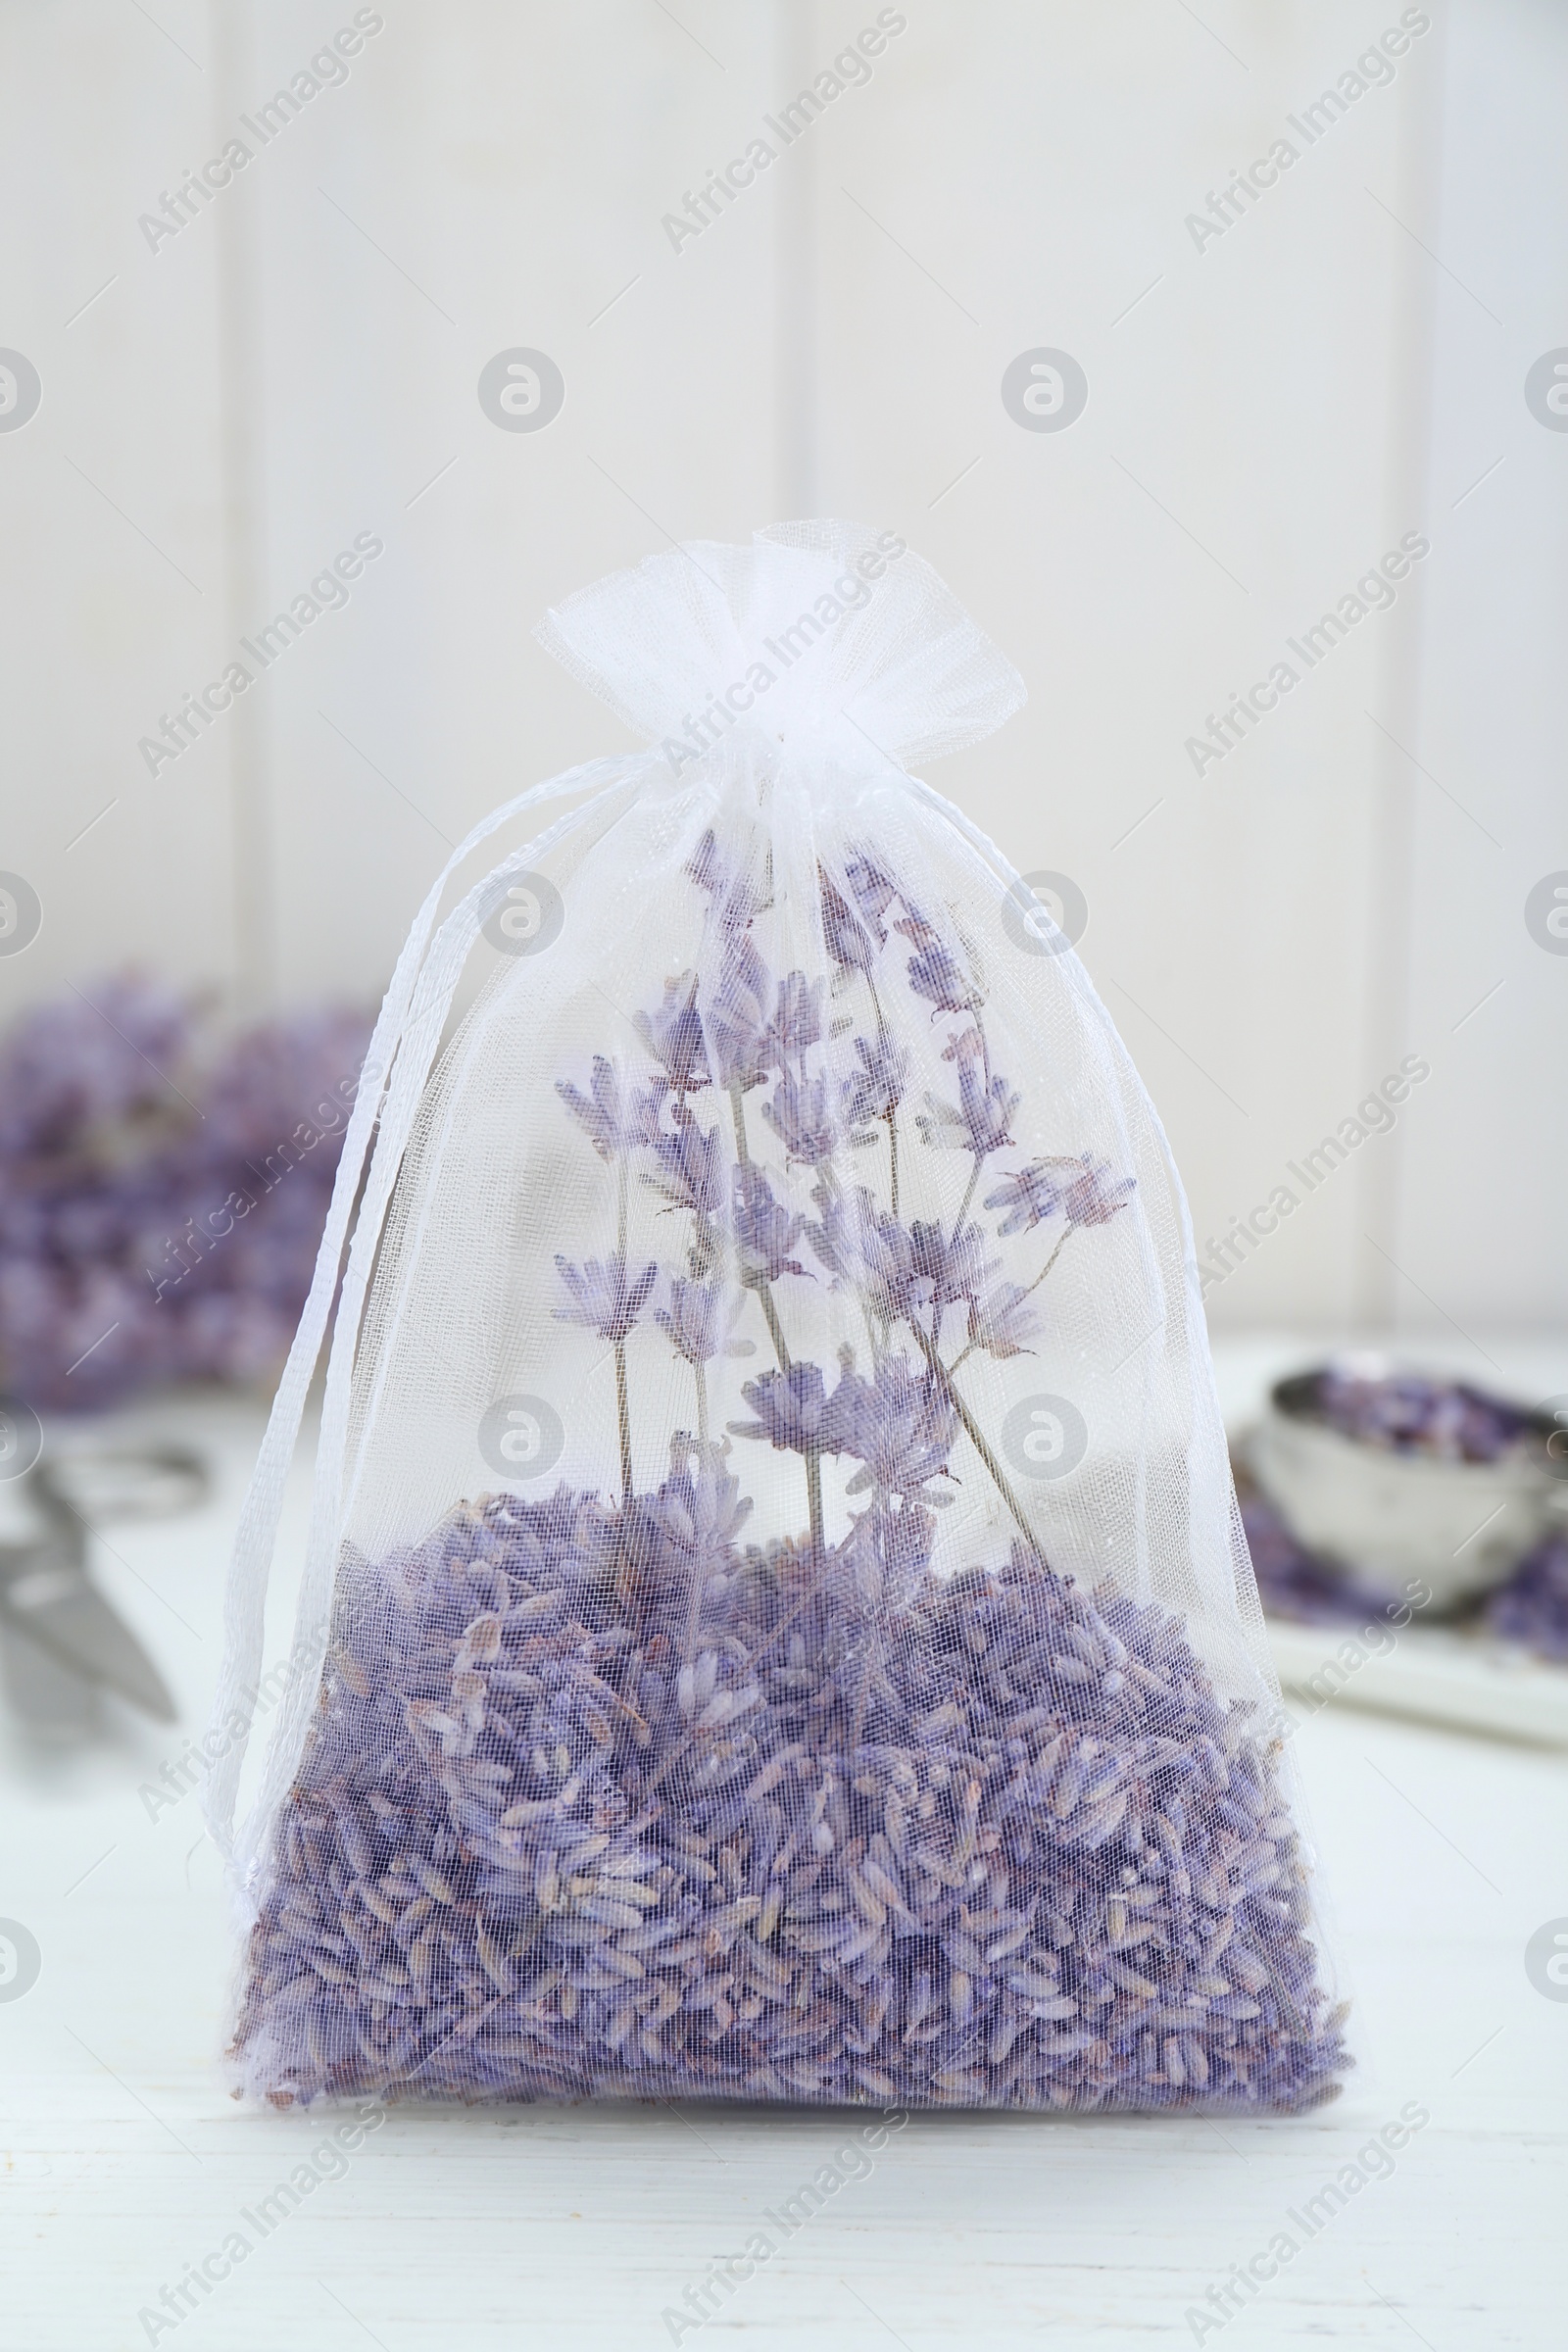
[(784, 1629)]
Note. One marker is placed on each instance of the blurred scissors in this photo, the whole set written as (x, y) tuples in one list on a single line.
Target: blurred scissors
[(62, 1638)]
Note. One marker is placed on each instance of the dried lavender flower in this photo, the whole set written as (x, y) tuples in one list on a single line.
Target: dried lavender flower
[(607, 1297), (699, 1320), (1082, 1189), (766, 1231), (687, 1169), (979, 1120), (614, 1121), (543, 1847), (876, 1089), (805, 1114), (673, 1034)]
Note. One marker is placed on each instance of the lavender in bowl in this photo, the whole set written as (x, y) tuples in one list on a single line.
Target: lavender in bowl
[(1390, 1473), (1409, 1413)]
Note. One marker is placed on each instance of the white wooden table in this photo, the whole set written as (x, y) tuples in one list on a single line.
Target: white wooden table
[(124, 2162)]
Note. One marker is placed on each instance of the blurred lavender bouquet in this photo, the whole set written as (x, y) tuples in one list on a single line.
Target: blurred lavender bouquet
[(162, 1192), (602, 1799)]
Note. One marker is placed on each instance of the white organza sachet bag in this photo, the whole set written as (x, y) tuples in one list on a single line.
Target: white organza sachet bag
[(777, 1621)]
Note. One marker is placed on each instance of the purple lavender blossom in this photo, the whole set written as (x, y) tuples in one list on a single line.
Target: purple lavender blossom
[(876, 1089), (897, 1425), (710, 869), (803, 1115), (793, 1411), (874, 889), (607, 1298), (1004, 1322), (980, 1119), (864, 1249), (1078, 1187), (689, 1167), (737, 1015), (946, 1267), (614, 1121), (673, 1034), (935, 971), (797, 1021), (887, 1554), (836, 1238), (849, 941), (699, 1318), (701, 1513), (766, 1232), (736, 898), (900, 1427), (1090, 1199), (1028, 1197)]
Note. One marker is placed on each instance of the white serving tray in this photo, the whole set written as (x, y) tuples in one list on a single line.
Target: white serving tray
[(1462, 1681)]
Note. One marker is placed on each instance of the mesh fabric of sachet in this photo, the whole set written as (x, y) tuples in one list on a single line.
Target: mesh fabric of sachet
[(783, 1626)]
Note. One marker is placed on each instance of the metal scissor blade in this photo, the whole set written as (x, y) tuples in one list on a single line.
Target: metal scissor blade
[(47, 1595), (43, 1693)]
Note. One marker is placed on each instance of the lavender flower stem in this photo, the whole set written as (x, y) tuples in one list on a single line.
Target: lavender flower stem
[(624, 1417), (891, 1109), (1046, 1268), (774, 1327), (964, 1206), (765, 1294), (813, 1497), (623, 1403), (694, 1611), (738, 1112), (976, 1437)]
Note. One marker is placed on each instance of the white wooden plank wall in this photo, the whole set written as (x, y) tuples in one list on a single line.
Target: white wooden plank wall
[(1267, 416)]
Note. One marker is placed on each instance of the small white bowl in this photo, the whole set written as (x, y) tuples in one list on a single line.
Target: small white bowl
[(1388, 1517)]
